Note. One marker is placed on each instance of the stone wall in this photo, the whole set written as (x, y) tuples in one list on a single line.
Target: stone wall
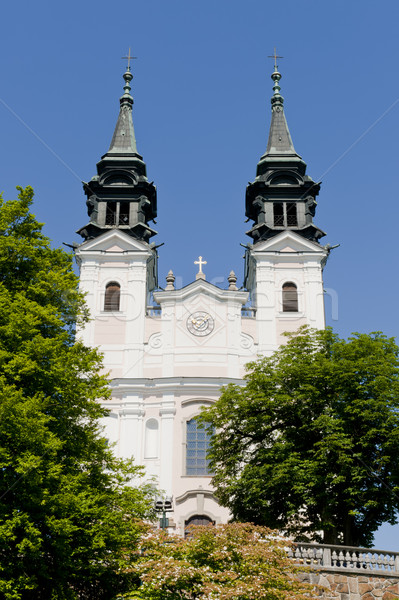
[(351, 586), (349, 573)]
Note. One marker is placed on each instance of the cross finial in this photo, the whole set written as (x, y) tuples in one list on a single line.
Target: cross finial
[(129, 58), (275, 56), (200, 262)]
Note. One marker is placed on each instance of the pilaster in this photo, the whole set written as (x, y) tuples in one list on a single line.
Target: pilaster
[(314, 295), (266, 308), (131, 430), (167, 414), (89, 273), (135, 317)]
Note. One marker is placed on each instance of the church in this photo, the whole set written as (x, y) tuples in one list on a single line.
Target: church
[(169, 351)]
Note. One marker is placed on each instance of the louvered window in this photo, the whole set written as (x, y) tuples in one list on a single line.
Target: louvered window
[(290, 297), (292, 220), (110, 215), (285, 214), (124, 208), (278, 209), (112, 297), (198, 439), (117, 213)]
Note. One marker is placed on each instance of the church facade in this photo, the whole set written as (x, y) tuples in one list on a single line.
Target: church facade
[(168, 350)]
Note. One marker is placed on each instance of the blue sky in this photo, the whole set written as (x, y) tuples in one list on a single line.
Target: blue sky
[(202, 92)]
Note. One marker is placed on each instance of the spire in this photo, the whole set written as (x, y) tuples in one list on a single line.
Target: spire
[(280, 141), (280, 151), (124, 141), (282, 196), (120, 196)]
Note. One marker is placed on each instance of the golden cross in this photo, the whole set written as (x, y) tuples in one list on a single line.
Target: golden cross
[(275, 56), (129, 57), (200, 262)]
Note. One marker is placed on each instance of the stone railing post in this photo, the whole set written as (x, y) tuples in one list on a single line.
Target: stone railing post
[(326, 557), (397, 563)]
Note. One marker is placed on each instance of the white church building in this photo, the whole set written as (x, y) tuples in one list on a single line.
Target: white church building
[(169, 351)]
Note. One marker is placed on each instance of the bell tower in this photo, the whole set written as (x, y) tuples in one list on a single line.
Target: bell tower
[(118, 264), (284, 263)]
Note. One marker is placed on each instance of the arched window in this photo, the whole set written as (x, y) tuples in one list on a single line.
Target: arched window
[(112, 296), (196, 520), (197, 445), (290, 297), (151, 439)]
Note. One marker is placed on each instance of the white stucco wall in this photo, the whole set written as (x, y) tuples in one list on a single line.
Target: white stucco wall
[(162, 371)]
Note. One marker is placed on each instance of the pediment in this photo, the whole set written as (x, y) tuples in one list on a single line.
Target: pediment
[(198, 288), (115, 241), (287, 241)]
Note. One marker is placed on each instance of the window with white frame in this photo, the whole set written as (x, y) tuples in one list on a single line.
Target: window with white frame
[(112, 297), (197, 445), (290, 297)]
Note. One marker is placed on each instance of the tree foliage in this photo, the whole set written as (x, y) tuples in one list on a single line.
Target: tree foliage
[(236, 561), (310, 444), (68, 519)]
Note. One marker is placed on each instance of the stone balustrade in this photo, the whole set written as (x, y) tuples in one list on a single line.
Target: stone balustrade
[(346, 558), (249, 312), (154, 311)]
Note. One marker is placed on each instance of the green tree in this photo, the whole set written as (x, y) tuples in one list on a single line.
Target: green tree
[(69, 521), (236, 561), (310, 444)]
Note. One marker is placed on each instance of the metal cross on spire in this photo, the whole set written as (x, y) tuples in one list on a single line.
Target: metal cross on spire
[(129, 58), (275, 56)]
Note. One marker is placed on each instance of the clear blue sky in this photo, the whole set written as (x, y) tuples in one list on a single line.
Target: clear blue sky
[(202, 88)]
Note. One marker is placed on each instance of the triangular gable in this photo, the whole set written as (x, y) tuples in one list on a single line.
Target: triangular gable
[(115, 241), (287, 241), (201, 286)]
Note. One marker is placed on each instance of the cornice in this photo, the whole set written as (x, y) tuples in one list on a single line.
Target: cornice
[(194, 493), (168, 411), (175, 385), (276, 244), (126, 411), (112, 237), (273, 256), (198, 286)]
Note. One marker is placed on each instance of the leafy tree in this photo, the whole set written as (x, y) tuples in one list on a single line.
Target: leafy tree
[(69, 521), (310, 445), (236, 561)]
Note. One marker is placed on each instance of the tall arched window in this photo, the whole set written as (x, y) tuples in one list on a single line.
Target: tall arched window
[(151, 439), (112, 296), (290, 297), (197, 445)]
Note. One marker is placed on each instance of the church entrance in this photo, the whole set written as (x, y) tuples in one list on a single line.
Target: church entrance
[(196, 520)]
